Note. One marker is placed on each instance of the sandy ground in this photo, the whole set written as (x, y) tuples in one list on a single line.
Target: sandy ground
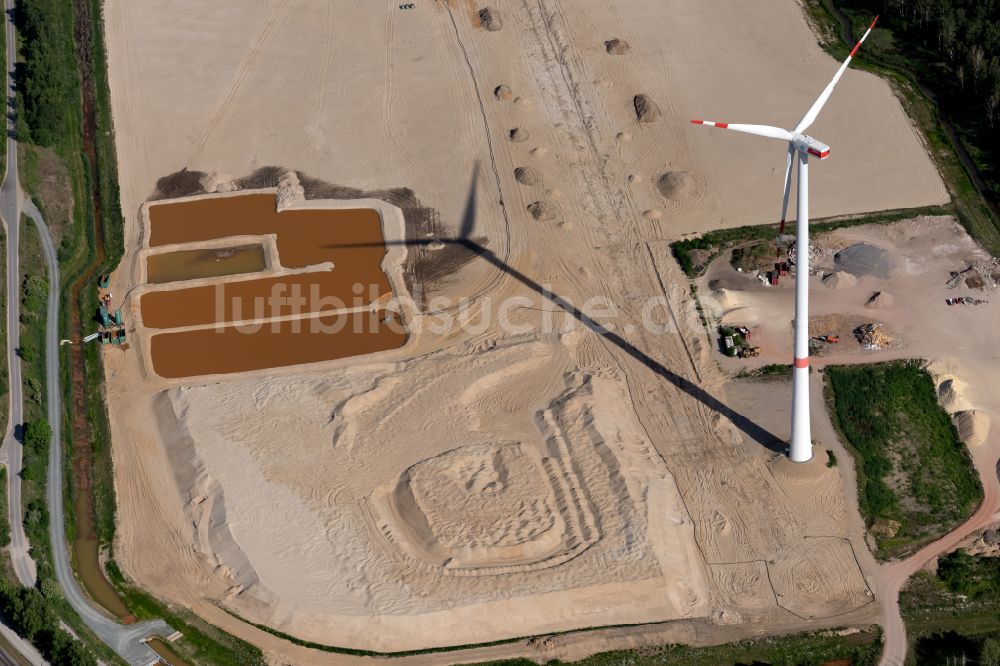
[(958, 341), (603, 475)]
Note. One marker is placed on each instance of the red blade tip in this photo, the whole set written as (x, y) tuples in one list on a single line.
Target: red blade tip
[(698, 122)]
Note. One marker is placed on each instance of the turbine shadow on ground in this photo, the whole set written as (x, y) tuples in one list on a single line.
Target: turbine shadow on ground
[(753, 430)]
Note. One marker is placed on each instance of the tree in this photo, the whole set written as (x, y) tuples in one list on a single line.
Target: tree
[(29, 614), (992, 100), (65, 650), (989, 654), (946, 34), (37, 435), (977, 59)]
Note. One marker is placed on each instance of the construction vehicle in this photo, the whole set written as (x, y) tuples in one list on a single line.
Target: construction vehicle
[(105, 317), (730, 345), (744, 331), (832, 339), (750, 352), (120, 336), (118, 317)]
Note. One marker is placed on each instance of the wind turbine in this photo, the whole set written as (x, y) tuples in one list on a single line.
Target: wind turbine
[(806, 146)]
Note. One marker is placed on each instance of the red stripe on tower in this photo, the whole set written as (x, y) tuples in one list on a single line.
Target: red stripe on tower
[(802, 362)]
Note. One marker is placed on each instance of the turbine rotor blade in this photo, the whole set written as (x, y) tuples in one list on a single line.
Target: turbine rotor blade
[(759, 130), (788, 186), (814, 110)]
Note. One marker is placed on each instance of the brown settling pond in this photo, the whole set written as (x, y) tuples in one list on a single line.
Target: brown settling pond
[(349, 238), (194, 264), (272, 345)]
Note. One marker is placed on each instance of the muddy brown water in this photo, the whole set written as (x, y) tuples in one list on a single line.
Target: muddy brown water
[(349, 238), (165, 653), (232, 349), (88, 565), (194, 264)]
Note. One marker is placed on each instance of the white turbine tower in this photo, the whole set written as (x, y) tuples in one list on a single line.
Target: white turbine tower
[(801, 444)]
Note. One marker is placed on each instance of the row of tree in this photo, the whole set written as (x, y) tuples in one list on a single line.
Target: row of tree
[(48, 78)]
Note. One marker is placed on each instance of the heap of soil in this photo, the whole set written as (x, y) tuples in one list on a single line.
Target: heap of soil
[(617, 46), (518, 135), (950, 395), (489, 19), (862, 259), (880, 300), (653, 214), (502, 92), (527, 175), (646, 110), (542, 211), (972, 426), (839, 280), (674, 185)]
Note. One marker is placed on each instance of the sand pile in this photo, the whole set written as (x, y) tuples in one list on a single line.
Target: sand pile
[(862, 259), (675, 185), (518, 135), (652, 214), (838, 280), (502, 92), (617, 46), (489, 19), (880, 300), (972, 426), (873, 336), (527, 175), (290, 191), (646, 110), (542, 211), (951, 395)]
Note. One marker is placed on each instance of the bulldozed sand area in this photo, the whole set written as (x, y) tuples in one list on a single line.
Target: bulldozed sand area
[(520, 425)]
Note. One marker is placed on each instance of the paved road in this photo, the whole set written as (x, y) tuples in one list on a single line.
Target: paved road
[(126, 640), (24, 566)]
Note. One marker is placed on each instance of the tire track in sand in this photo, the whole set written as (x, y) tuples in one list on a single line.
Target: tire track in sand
[(246, 67)]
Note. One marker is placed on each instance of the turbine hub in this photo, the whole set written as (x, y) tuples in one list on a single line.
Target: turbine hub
[(806, 144)]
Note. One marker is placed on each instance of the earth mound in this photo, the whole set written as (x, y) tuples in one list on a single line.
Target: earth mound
[(674, 185), (617, 46), (972, 426), (527, 175), (653, 214), (838, 280), (950, 395), (518, 135), (646, 110), (542, 211), (880, 300), (863, 259), (489, 19), (502, 92)]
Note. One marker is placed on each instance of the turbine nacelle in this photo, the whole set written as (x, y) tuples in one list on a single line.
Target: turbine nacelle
[(806, 144)]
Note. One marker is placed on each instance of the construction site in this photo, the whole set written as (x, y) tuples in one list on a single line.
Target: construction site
[(392, 378)]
